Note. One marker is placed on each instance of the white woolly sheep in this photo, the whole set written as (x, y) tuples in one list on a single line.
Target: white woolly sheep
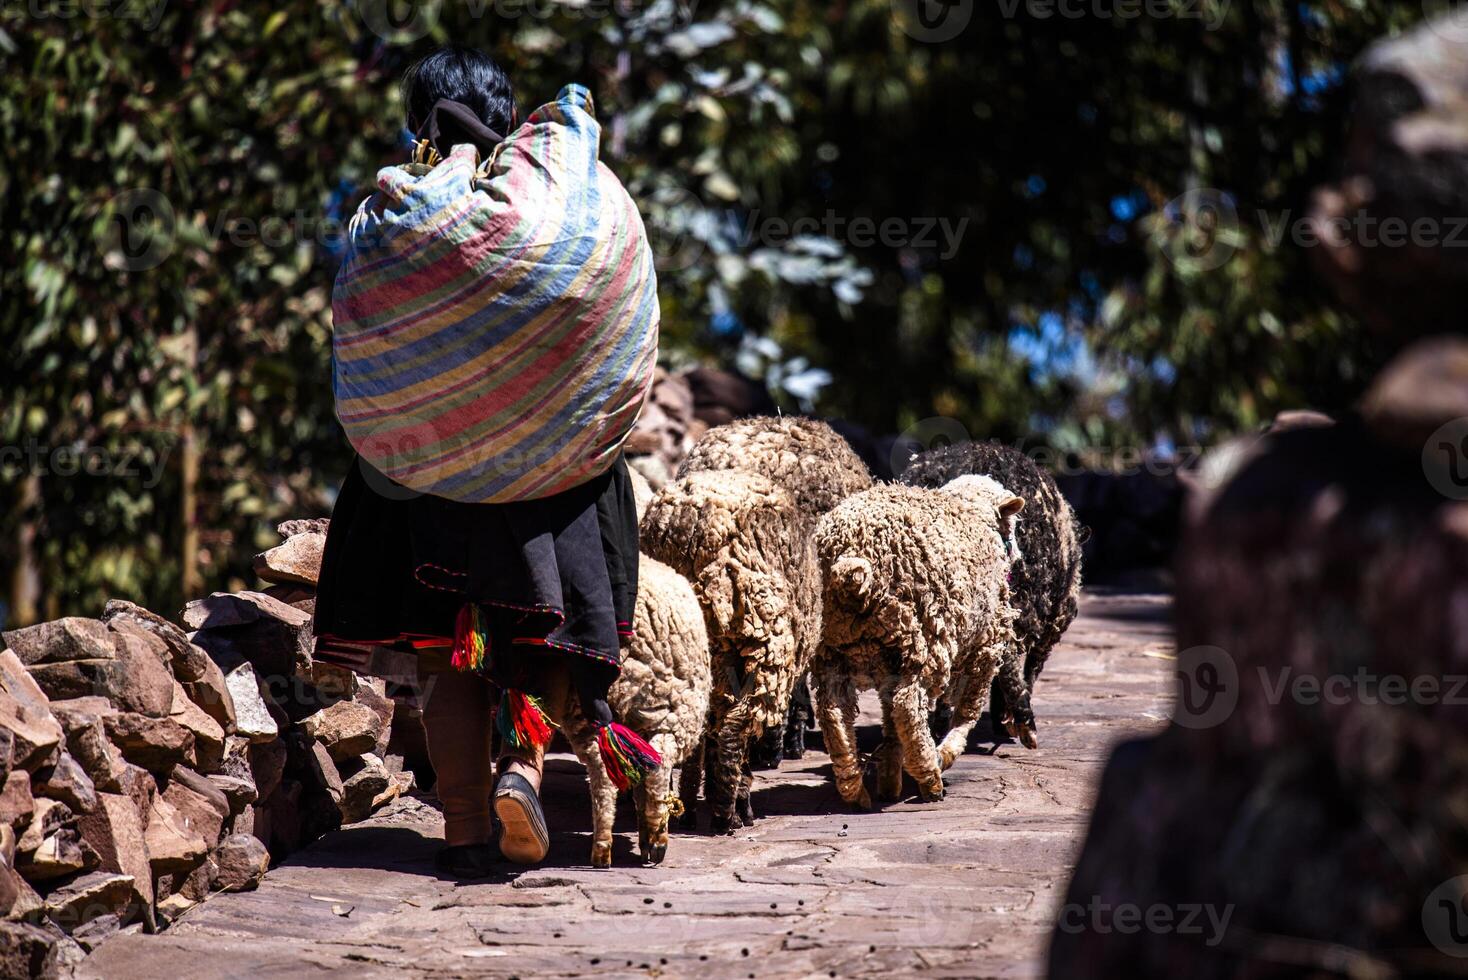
[(662, 695), (916, 604), (663, 692), (746, 548), (1046, 585), (819, 468)]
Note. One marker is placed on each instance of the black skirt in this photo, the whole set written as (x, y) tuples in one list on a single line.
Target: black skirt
[(554, 575)]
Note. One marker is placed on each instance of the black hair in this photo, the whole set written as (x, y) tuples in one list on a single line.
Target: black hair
[(466, 75)]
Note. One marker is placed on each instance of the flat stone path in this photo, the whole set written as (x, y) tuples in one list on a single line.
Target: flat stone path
[(962, 888)]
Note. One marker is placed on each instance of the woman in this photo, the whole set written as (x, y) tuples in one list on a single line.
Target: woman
[(508, 606)]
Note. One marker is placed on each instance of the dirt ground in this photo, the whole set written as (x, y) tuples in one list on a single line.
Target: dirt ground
[(962, 888)]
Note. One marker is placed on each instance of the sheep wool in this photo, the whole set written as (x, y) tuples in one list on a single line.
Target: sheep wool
[(1046, 583), (746, 548), (662, 696), (805, 456), (663, 692), (916, 604), (818, 467), (641, 491)]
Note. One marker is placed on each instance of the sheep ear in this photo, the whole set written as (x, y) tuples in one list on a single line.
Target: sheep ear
[(1011, 507)]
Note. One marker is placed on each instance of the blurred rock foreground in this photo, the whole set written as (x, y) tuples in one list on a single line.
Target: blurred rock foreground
[(1316, 784), (145, 767)]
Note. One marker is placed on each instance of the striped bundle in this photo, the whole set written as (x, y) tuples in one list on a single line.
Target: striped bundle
[(495, 324)]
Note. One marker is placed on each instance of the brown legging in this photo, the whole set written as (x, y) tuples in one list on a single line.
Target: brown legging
[(458, 723)]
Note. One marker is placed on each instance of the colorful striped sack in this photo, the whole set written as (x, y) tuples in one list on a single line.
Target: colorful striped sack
[(496, 324)]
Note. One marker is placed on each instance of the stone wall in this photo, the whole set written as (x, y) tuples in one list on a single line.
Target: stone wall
[(145, 764)]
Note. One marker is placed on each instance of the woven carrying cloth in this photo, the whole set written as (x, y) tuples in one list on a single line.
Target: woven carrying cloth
[(496, 324)]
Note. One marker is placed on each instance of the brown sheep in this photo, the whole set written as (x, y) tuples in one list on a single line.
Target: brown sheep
[(805, 456), (818, 467), (746, 548)]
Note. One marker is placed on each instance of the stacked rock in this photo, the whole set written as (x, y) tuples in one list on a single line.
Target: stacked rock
[(144, 764)]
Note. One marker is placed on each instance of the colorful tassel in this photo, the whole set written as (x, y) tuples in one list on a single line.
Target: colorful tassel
[(471, 639), (627, 757), (521, 721)]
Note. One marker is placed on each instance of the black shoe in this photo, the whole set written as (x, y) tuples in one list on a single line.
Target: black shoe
[(467, 860), (523, 837)]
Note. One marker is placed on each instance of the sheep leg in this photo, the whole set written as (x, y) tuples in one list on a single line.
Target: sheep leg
[(967, 707), (768, 750), (919, 754), (654, 804), (940, 719), (998, 710), (889, 754), (725, 772), (603, 793), (836, 711), (795, 724), (742, 805), (1018, 718), (689, 778)]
